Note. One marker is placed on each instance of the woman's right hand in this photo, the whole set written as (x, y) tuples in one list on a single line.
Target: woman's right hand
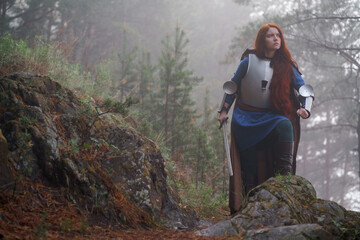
[(222, 117)]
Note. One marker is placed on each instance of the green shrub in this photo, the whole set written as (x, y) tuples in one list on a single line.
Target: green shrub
[(103, 75), (47, 58), (202, 199), (7, 47)]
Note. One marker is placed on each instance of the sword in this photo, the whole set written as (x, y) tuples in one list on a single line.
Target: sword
[(229, 88), (226, 141)]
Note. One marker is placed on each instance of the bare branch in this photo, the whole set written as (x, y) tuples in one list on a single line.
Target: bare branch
[(330, 126), (11, 4), (334, 99), (24, 13), (323, 18), (350, 58), (35, 19), (347, 56)]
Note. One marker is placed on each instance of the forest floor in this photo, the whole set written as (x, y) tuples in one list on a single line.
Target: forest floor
[(32, 210)]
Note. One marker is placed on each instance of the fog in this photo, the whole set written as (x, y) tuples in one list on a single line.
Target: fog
[(210, 26), (321, 35)]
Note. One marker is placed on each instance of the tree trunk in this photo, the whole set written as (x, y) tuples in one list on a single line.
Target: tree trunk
[(343, 188), (327, 169), (172, 117), (166, 110), (198, 162), (358, 140), (3, 16)]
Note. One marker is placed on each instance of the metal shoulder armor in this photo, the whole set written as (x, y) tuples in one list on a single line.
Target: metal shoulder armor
[(229, 88)]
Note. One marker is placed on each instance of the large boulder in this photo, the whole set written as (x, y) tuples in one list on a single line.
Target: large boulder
[(56, 136), (286, 207), (137, 168)]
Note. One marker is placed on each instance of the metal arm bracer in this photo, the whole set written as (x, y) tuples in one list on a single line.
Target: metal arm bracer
[(306, 97)]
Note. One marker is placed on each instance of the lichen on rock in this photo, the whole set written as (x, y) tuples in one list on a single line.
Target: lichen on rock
[(53, 135), (286, 207)]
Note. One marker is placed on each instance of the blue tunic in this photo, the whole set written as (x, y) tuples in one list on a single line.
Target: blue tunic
[(252, 127)]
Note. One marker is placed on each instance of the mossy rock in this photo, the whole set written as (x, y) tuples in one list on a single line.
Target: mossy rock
[(288, 202)]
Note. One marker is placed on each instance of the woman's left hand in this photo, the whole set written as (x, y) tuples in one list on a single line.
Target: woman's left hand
[(302, 113)]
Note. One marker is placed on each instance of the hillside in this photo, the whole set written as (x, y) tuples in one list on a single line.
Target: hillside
[(67, 168), (74, 167)]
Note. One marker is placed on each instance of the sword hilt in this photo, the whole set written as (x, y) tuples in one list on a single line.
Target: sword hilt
[(222, 123)]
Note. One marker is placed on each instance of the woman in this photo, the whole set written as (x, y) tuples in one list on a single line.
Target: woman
[(265, 127)]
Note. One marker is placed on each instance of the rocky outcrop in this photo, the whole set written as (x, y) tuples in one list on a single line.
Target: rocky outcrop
[(137, 168), (104, 167), (287, 208), (53, 135)]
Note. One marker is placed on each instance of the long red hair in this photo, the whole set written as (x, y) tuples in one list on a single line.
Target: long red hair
[(282, 63)]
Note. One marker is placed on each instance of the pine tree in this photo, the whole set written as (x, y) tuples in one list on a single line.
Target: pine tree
[(176, 83), (125, 82), (146, 79)]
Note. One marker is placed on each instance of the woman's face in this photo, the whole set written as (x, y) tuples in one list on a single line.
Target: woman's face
[(272, 39)]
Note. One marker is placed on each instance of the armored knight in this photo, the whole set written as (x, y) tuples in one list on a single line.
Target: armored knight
[(265, 126)]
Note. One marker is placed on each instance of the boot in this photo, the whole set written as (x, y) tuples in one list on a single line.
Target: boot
[(283, 153)]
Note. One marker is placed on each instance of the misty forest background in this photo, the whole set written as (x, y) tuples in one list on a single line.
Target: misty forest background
[(173, 56)]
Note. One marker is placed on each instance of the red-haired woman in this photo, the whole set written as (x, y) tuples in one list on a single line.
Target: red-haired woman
[(265, 127)]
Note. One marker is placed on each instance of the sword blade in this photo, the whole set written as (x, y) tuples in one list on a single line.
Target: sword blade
[(227, 149)]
